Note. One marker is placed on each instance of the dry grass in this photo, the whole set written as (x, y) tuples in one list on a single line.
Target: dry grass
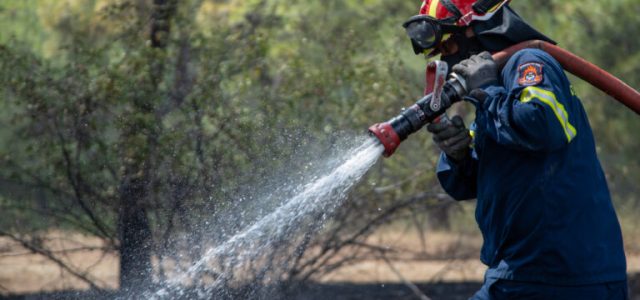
[(438, 257), (22, 272)]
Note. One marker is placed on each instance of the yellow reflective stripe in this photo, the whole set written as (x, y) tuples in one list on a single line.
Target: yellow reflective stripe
[(549, 98), (495, 7), (432, 7)]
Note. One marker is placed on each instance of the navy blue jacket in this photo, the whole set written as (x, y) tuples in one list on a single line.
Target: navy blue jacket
[(543, 206)]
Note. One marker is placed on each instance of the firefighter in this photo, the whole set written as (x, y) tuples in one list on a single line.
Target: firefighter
[(543, 206)]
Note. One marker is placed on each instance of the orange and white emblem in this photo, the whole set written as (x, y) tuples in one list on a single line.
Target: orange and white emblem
[(530, 74)]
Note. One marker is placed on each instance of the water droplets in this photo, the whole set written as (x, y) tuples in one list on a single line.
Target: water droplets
[(302, 214)]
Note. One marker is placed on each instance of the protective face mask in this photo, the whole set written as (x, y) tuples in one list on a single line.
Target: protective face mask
[(467, 46)]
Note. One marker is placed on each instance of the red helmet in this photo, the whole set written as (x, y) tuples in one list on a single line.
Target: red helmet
[(439, 18), (463, 11)]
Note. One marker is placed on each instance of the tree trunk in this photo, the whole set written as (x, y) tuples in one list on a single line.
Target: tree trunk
[(135, 238), (136, 188)]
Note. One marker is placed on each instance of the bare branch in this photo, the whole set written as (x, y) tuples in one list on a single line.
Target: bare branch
[(406, 282), (72, 250), (75, 180), (49, 255)]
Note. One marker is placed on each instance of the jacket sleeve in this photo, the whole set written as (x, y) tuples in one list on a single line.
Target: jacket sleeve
[(530, 110), (458, 179)]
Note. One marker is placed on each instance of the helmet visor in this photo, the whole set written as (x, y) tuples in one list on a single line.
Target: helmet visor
[(424, 32)]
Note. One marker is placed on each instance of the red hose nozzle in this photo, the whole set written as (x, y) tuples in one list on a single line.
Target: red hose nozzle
[(387, 137)]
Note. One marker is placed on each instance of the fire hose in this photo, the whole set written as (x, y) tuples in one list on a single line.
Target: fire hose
[(423, 112)]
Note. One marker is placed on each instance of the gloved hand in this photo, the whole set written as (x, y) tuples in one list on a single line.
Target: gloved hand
[(477, 97), (452, 137), (477, 71)]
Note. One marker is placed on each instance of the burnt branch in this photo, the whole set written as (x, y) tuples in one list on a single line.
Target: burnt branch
[(327, 258), (406, 282)]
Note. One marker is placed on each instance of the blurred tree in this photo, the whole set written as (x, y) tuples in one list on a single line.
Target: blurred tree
[(139, 142), (163, 126)]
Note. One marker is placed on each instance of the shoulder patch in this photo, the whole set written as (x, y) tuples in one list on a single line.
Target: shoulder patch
[(530, 73)]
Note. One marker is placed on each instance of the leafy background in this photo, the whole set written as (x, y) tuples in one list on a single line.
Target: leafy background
[(106, 125)]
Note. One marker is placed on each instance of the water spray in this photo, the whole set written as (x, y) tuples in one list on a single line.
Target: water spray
[(241, 258), (430, 107)]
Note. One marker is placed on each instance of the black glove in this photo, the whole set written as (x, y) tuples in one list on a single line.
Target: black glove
[(452, 137), (477, 97), (477, 71)]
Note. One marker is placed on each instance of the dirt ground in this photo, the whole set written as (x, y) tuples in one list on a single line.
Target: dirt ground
[(23, 272), (439, 264)]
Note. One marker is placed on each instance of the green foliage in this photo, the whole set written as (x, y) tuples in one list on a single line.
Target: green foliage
[(244, 92)]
